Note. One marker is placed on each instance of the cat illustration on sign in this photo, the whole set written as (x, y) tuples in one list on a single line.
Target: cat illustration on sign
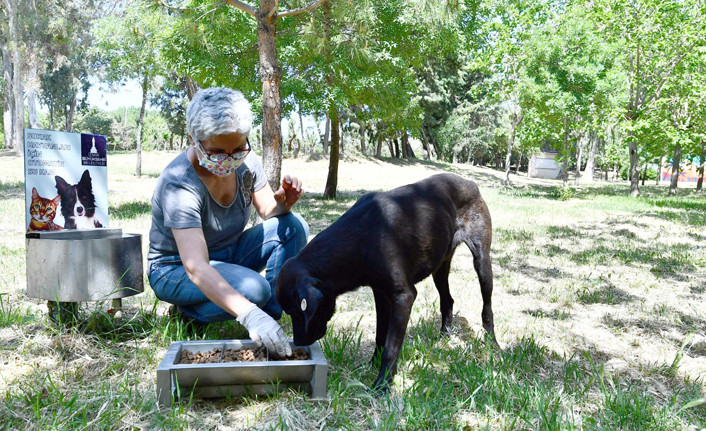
[(78, 205), (42, 212)]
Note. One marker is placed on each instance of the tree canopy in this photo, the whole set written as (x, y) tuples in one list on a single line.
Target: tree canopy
[(611, 84)]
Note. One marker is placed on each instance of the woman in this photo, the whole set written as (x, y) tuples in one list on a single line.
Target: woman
[(200, 257)]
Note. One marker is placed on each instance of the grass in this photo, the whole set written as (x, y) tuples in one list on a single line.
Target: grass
[(598, 301)]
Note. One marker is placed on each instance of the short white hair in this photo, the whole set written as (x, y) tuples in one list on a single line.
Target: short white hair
[(218, 111)]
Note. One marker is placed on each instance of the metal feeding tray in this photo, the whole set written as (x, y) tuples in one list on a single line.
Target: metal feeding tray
[(215, 380)]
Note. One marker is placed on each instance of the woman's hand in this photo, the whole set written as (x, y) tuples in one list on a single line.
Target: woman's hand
[(264, 330), (290, 191)]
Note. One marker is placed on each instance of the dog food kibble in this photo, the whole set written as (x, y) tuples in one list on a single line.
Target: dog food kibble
[(186, 357), (258, 354), (245, 355)]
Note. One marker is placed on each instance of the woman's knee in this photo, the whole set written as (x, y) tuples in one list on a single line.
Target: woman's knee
[(298, 227), (256, 289)]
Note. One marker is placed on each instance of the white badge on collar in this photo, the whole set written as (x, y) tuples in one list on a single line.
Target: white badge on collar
[(303, 304)]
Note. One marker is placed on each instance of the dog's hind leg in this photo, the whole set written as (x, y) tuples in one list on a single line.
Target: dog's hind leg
[(446, 302), (481, 262)]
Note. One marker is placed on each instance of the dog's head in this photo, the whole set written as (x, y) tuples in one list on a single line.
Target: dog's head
[(310, 307), (76, 200)]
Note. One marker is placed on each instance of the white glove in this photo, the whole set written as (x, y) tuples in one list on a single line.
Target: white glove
[(264, 330)]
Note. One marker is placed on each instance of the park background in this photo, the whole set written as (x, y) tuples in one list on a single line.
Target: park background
[(599, 274)]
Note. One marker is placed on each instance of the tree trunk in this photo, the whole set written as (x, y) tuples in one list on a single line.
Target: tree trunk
[(565, 155), (675, 169), (32, 96), (342, 138), (510, 146), (427, 146), (514, 123), (271, 76), (70, 116), (190, 88), (700, 181), (407, 146), (18, 115), (140, 122), (579, 156), (301, 126), (659, 170), (435, 145), (327, 132), (378, 151), (634, 172), (332, 178), (32, 108), (644, 173), (591, 161), (361, 125), (7, 107)]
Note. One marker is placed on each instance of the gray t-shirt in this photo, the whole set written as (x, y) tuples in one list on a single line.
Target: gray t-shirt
[(181, 201)]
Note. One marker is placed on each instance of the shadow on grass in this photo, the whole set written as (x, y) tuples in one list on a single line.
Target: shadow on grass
[(553, 314), (533, 191), (526, 383), (686, 218), (12, 190), (660, 322), (130, 210), (145, 324), (605, 294), (320, 213), (8, 153), (623, 246), (541, 274)]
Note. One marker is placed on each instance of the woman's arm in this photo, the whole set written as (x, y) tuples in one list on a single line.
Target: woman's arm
[(261, 327), (269, 204), (194, 256)]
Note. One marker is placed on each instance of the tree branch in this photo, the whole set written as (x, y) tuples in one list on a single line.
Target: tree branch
[(311, 6), (273, 11), (244, 7), (220, 5)]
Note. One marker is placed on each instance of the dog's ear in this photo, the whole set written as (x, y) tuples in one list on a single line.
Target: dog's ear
[(61, 184), (85, 178), (310, 297)]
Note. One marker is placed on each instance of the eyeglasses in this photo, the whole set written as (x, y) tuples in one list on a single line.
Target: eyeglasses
[(236, 155)]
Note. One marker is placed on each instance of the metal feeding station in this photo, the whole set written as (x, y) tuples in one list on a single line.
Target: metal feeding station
[(72, 254), (223, 379), (84, 265)]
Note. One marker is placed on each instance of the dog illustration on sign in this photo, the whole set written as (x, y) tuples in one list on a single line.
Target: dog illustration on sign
[(78, 204)]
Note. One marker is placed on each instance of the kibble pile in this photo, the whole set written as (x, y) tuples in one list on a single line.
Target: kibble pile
[(257, 354)]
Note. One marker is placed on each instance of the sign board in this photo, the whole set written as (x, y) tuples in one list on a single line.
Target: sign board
[(66, 180)]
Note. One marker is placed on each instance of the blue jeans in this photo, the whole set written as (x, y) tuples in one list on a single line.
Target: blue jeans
[(265, 246)]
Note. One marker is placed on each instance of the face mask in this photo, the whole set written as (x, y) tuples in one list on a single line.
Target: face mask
[(221, 168)]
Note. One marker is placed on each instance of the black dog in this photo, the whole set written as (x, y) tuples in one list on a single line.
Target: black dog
[(390, 241), (78, 205)]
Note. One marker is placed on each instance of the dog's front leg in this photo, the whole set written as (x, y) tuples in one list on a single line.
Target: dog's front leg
[(382, 311), (401, 307)]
